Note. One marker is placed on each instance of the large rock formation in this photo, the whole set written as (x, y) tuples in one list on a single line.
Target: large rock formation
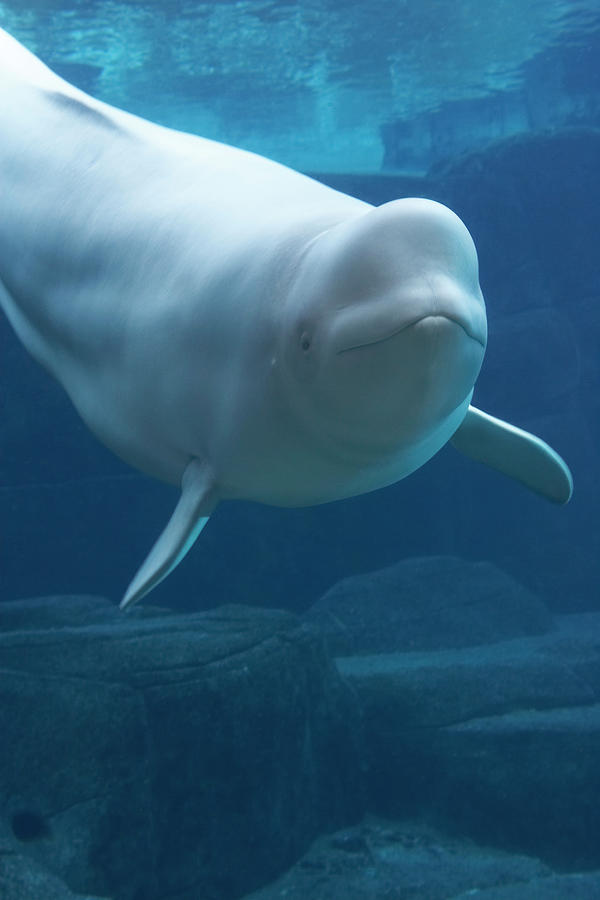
[(429, 603), (383, 860), (481, 711), (152, 756), (160, 757), (22, 878), (499, 741)]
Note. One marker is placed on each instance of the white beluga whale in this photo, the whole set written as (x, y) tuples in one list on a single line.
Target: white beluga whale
[(230, 326)]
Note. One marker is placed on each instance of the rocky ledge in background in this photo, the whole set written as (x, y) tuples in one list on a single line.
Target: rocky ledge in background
[(149, 756), (195, 757), (383, 860), (426, 603), (481, 711)]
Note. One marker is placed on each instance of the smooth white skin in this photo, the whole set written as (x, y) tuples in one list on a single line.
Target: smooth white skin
[(200, 302)]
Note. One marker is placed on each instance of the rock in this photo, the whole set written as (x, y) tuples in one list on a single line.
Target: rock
[(21, 878), (55, 612), (381, 860), (579, 886), (499, 742), (528, 780), (158, 755), (426, 603)]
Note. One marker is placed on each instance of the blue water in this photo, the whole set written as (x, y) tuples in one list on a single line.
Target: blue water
[(381, 100), (360, 97), (312, 83), (492, 107)]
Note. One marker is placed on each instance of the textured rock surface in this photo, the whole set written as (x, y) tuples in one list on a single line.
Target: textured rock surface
[(499, 742), (21, 878), (579, 886), (381, 860), (426, 603), (153, 756)]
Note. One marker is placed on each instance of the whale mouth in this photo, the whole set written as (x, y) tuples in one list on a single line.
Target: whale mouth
[(471, 333)]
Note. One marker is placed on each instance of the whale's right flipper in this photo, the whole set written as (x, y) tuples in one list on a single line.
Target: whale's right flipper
[(516, 453), (197, 501)]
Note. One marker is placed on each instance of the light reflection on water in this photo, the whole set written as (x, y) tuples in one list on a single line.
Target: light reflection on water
[(310, 83)]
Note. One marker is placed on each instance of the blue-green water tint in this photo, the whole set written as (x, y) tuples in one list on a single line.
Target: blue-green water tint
[(308, 83), (493, 107), (360, 94)]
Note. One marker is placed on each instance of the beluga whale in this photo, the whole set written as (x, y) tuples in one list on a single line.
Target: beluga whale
[(231, 326)]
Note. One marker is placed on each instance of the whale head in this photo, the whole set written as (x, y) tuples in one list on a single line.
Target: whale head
[(387, 330)]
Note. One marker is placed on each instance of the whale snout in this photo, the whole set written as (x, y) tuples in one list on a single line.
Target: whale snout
[(473, 328), (374, 323)]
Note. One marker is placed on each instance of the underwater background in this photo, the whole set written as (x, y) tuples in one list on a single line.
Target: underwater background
[(493, 108), (394, 697)]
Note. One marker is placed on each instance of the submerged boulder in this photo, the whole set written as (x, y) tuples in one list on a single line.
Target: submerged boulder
[(498, 742), (380, 860), (22, 878), (153, 755), (426, 603)]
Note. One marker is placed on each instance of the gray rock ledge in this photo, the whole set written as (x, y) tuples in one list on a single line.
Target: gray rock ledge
[(152, 756)]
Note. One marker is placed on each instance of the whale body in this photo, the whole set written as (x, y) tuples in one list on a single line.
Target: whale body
[(226, 324)]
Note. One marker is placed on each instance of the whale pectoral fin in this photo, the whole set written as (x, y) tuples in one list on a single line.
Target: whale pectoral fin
[(516, 453), (197, 501)]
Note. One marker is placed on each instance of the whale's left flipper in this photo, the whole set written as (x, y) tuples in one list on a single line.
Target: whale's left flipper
[(197, 501), (516, 453)]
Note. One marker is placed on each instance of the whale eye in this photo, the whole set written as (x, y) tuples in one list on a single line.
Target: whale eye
[(303, 358)]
